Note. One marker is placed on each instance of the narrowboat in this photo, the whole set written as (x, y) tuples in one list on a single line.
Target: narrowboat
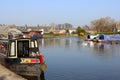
[(104, 38), (22, 56), (109, 38)]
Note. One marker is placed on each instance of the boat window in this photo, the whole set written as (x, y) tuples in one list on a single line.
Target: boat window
[(33, 48), (36, 44), (23, 48), (32, 44), (12, 51)]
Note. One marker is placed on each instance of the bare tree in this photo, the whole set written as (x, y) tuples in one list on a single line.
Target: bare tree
[(104, 24)]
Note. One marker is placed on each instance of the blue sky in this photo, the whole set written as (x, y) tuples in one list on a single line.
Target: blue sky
[(76, 12)]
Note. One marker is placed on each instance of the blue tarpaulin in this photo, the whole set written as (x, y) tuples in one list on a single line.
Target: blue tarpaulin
[(115, 37)]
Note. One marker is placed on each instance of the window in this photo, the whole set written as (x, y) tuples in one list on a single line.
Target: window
[(23, 48), (34, 43), (33, 50), (12, 49)]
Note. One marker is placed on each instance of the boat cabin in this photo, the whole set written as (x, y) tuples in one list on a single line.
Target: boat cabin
[(23, 48)]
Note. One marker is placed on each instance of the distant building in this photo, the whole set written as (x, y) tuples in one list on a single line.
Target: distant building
[(72, 30), (14, 30), (7, 30)]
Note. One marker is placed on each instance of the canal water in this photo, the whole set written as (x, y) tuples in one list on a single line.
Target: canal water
[(71, 58)]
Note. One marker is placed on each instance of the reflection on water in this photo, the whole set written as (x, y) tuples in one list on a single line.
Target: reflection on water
[(102, 49), (72, 58), (51, 42), (42, 77)]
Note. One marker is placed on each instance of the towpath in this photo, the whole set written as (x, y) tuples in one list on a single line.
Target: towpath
[(6, 74)]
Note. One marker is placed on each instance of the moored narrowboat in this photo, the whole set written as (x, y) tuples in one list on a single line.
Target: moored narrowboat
[(23, 57)]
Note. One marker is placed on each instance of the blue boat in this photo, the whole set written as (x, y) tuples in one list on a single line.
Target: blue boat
[(109, 38)]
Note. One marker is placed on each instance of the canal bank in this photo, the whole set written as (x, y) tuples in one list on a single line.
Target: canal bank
[(6, 74)]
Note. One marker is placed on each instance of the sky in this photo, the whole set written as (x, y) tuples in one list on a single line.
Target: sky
[(45, 12)]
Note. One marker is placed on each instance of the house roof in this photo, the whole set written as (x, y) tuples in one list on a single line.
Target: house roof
[(7, 29), (4, 29)]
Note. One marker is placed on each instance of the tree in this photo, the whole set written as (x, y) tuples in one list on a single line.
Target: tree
[(86, 27), (38, 25), (103, 25), (80, 30), (67, 31), (26, 25)]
